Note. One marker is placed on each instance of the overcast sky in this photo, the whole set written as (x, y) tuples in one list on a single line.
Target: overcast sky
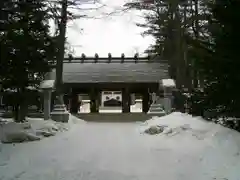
[(116, 34)]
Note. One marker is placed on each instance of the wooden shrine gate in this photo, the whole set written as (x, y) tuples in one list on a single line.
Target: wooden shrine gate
[(92, 75)]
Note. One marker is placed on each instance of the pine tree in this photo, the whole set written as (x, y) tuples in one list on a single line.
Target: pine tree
[(174, 24), (179, 28), (218, 64), (221, 69), (26, 48)]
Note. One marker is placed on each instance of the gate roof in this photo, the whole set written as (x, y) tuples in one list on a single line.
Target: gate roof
[(115, 72)]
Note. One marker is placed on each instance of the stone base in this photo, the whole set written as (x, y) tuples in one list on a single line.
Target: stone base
[(60, 114), (157, 113), (156, 109)]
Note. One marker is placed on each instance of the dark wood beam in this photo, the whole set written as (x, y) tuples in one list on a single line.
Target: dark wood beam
[(126, 100), (134, 87)]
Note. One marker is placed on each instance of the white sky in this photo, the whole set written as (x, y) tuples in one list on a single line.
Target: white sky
[(115, 34)]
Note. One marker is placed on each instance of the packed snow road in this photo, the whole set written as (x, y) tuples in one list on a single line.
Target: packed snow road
[(115, 151)]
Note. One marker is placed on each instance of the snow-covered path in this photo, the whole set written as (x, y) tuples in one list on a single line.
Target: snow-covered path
[(115, 151)]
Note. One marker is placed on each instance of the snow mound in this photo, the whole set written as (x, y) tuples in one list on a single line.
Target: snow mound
[(213, 144), (179, 124), (32, 130), (18, 137)]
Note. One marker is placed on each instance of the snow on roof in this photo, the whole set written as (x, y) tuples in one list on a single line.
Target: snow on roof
[(168, 83), (47, 84)]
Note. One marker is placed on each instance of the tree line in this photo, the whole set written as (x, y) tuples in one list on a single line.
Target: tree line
[(27, 47), (199, 39)]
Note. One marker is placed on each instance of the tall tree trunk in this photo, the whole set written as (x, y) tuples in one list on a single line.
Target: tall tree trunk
[(21, 105), (179, 54), (16, 105), (187, 76), (16, 112), (61, 50), (170, 43), (196, 24)]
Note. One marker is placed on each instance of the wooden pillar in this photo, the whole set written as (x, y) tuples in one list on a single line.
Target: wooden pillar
[(66, 101), (99, 99), (126, 100), (133, 98), (74, 104), (145, 101), (94, 98)]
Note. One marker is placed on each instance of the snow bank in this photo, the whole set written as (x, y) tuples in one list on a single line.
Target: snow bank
[(109, 151), (175, 120), (184, 125), (217, 147), (32, 130)]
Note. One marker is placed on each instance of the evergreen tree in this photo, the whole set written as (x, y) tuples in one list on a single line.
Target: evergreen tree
[(175, 25), (220, 68), (179, 30), (26, 48)]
